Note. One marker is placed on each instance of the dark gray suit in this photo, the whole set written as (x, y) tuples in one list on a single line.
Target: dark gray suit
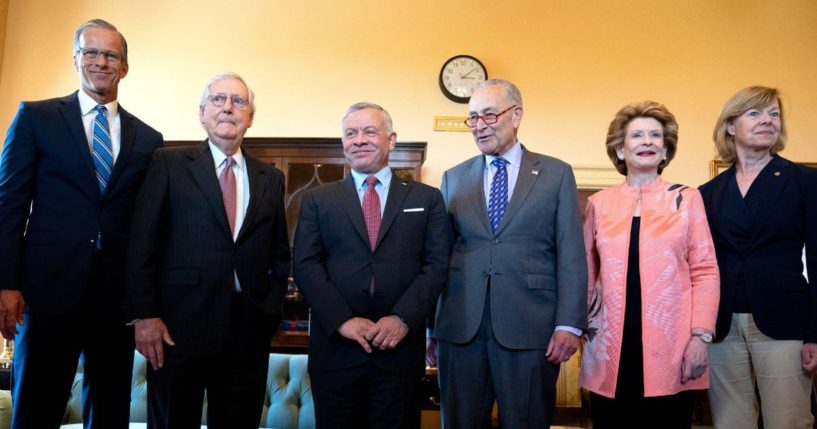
[(181, 268), (507, 291)]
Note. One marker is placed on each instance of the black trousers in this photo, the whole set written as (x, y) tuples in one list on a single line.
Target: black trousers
[(365, 396), (670, 412), (235, 378)]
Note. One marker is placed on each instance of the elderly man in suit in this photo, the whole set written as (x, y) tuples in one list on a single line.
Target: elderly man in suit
[(370, 256), (515, 302), (207, 269), (69, 173)]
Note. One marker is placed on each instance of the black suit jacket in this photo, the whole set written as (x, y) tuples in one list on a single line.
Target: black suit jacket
[(182, 258), (334, 266), (782, 301), (53, 218)]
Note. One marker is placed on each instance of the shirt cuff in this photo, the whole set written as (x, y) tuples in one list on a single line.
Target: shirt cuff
[(575, 331)]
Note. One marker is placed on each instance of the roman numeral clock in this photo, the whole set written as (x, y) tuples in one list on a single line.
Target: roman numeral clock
[(459, 76)]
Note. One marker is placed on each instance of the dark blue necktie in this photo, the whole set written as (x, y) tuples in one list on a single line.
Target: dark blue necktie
[(102, 148), (499, 193)]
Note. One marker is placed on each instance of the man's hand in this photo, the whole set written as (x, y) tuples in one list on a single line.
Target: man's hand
[(696, 360), (357, 329), (562, 345), (151, 336), (431, 352), (809, 356), (391, 330), (11, 312)]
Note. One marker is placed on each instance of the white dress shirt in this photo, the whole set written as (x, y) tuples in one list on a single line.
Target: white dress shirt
[(87, 106)]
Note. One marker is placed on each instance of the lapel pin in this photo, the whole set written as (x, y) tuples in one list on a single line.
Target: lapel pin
[(776, 173), (534, 172)]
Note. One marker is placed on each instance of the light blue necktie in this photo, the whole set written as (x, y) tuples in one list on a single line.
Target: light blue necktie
[(102, 148), (499, 193)]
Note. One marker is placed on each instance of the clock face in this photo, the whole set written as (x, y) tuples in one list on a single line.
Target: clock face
[(459, 76)]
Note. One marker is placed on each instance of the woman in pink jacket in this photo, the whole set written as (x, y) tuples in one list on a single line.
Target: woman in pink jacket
[(653, 282)]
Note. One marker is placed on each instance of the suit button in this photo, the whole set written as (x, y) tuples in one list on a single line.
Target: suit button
[(92, 244), (496, 241)]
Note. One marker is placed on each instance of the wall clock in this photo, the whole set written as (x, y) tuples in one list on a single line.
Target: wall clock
[(459, 76)]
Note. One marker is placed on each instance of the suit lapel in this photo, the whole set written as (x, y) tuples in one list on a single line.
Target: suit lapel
[(718, 198), (127, 131), (202, 168), (474, 192), (528, 174), (398, 190), (350, 201), (71, 114), (258, 187)]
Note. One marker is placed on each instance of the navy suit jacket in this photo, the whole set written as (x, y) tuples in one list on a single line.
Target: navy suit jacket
[(182, 257), (334, 266), (53, 218), (783, 303)]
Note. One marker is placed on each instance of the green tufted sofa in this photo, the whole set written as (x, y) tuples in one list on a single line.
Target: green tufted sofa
[(287, 404)]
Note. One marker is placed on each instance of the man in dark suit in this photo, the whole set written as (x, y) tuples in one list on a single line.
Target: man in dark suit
[(69, 173), (207, 269), (370, 257), (516, 298)]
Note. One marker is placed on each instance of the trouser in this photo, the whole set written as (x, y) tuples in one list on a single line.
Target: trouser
[(747, 363)]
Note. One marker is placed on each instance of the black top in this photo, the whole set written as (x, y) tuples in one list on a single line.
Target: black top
[(630, 381)]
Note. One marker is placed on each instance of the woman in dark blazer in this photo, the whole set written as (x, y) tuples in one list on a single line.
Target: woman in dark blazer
[(762, 212)]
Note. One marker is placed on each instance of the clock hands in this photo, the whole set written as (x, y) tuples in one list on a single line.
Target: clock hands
[(465, 76)]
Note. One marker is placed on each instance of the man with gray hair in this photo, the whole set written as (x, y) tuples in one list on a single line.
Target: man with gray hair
[(207, 269), (69, 172), (516, 299), (370, 257)]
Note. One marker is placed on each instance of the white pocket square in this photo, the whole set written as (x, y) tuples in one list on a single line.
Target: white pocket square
[(418, 209)]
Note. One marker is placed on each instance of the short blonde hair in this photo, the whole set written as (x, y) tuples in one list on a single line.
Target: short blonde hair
[(645, 109), (753, 97)]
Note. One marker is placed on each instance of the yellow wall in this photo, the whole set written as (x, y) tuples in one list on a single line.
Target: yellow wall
[(4, 7), (576, 63)]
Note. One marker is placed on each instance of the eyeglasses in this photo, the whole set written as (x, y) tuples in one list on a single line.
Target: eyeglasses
[(92, 54), (219, 100), (489, 118)]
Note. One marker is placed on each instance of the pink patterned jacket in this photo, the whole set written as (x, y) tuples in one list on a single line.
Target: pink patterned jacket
[(680, 283)]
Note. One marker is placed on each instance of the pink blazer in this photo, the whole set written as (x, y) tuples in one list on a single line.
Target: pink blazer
[(680, 283)]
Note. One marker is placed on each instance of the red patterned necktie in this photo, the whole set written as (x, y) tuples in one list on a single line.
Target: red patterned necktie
[(371, 210), (227, 181), (371, 214)]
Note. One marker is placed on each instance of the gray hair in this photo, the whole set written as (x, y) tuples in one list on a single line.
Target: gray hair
[(100, 23), (363, 105), (205, 93), (510, 89)]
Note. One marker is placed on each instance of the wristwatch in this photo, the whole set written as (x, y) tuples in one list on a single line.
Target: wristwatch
[(706, 337)]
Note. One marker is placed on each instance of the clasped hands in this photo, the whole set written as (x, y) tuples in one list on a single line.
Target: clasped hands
[(387, 333)]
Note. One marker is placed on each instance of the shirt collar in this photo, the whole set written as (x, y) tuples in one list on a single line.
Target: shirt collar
[(384, 176), (87, 105), (219, 156), (513, 155)]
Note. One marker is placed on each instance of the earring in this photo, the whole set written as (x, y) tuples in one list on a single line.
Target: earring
[(620, 156)]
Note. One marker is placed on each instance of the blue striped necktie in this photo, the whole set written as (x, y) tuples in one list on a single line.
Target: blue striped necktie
[(499, 193), (102, 148)]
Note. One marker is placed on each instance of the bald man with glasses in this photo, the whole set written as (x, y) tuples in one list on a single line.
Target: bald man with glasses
[(207, 269)]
